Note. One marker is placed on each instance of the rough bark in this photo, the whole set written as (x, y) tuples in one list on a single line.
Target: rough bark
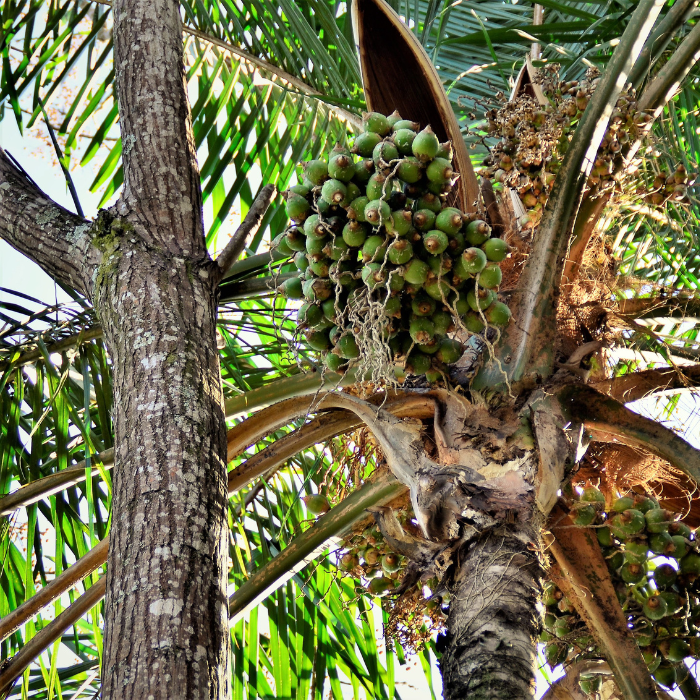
[(491, 648)]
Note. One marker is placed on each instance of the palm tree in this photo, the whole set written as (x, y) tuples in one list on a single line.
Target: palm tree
[(609, 277)]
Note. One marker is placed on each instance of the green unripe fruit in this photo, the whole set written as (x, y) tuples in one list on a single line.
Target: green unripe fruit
[(674, 604), (417, 363), (317, 289), (302, 190), (377, 123), (426, 145), (377, 212), (334, 191), (423, 305), (679, 548), (353, 192), (400, 252), (655, 607), (403, 138), (584, 516), (644, 636), (374, 249), (292, 288), (660, 542), (664, 575), (373, 275), (439, 171), (281, 246), (380, 586), (424, 219), (615, 561), (314, 227), (395, 281), (335, 363), (442, 322), (390, 563), (477, 232), (392, 307), (632, 573), (318, 340), (356, 210), (393, 118), (321, 267), (405, 124), (604, 537), (433, 375), (473, 322), (324, 207), (651, 659), (416, 272), (363, 171), (435, 242), (450, 351), (384, 153), (484, 299), (347, 347), (456, 245), (316, 504), (349, 561), (354, 234), (666, 676), (440, 264), (399, 223), (628, 523), (556, 654), (429, 201), (449, 220), (376, 186), (490, 277), (592, 495), (336, 248), (295, 239), (310, 314), (690, 564), (445, 151), (341, 168), (496, 249), (315, 246), (636, 552), (316, 171), (329, 309), (339, 150), (620, 505), (409, 170), (437, 288), (658, 520), (365, 143), (675, 650), (680, 529), (421, 330), (301, 262), (645, 503), (473, 260), (297, 207)]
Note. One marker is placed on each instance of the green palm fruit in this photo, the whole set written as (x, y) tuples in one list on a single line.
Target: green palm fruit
[(380, 586), (377, 212), (592, 495), (297, 207), (445, 151), (336, 248), (439, 187), (310, 314), (622, 504), (347, 347), (440, 264), (456, 245), (435, 242), (680, 529), (316, 172), (604, 536), (627, 524), (442, 322), (433, 375), (280, 244), (674, 603), (302, 190), (335, 363), (426, 145), (365, 143), (356, 210), (314, 227), (496, 249), (334, 334), (405, 124), (301, 262), (377, 123), (644, 636), (295, 239), (636, 552), (645, 503), (449, 220), (353, 192), (409, 170), (349, 561), (403, 138), (392, 307), (615, 561), (490, 277), (632, 573), (655, 607), (429, 201), (591, 684), (399, 223), (396, 281), (371, 556), (417, 363), (690, 564), (384, 152), (317, 289), (316, 504), (334, 191), (393, 118), (679, 549), (450, 351), (329, 309), (421, 329), (666, 676), (477, 232), (658, 520), (424, 219), (341, 167), (674, 650), (338, 150), (320, 268), (556, 653), (664, 576), (363, 170), (317, 340), (651, 659), (355, 233), (376, 186), (659, 542), (437, 288), (473, 260), (439, 171), (292, 288), (584, 516), (374, 249), (430, 348), (473, 322), (400, 251), (551, 596), (324, 207), (390, 563), (423, 305), (373, 275), (416, 272), (482, 301), (315, 246)]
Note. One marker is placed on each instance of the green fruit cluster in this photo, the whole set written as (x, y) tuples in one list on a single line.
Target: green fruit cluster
[(383, 258), (654, 564)]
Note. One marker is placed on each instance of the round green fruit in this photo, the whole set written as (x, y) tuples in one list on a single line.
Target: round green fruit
[(365, 143), (334, 191), (310, 314), (423, 305), (585, 516), (496, 249), (417, 363), (377, 211), (556, 653), (363, 171), (292, 288), (673, 601), (390, 563), (297, 207), (660, 542), (666, 676), (636, 552), (664, 576), (490, 277), (421, 329), (399, 223), (403, 138), (356, 209), (482, 301), (335, 363), (435, 242), (591, 494), (385, 152), (645, 503), (281, 246), (450, 351), (314, 227), (429, 201), (400, 252), (658, 520), (405, 124), (449, 220), (317, 340), (416, 272), (295, 239), (442, 322), (341, 168), (477, 232), (439, 171), (604, 536), (437, 288), (632, 573), (355, 234), (380, 586), (316, 172), (690, 564), (374, 249), (473, 260), (655, 607), (376, 123), (426, 145), (626, 524), (620, 505), (347, 347), (316, 504), (409, 170), (473, 322)]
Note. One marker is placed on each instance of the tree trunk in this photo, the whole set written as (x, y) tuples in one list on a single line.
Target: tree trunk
[(491, 648)]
